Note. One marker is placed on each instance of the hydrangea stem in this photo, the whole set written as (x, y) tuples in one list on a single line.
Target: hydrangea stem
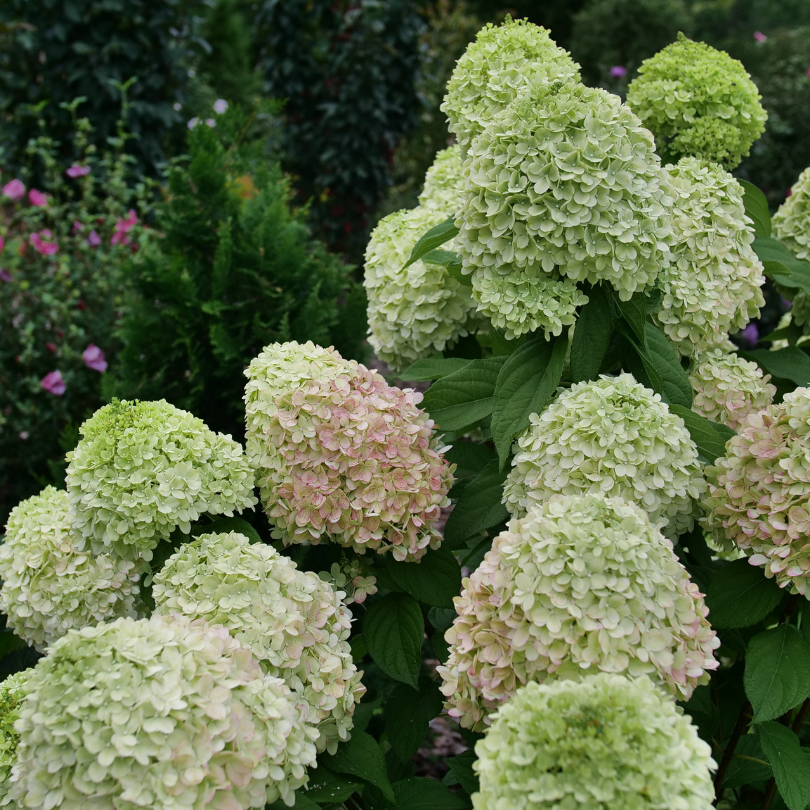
[(728, 754)]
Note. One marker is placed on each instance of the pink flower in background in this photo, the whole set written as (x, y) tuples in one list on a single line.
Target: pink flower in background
[(14, 190), (37, 198), (759, 36), (618, 72), (77, 171), (94, 240), (220, 106), (51, 347), (5, 275), (77, 226), (41, 246), (2, 244), (123, 227), (94, 358), (750, 335), (53, 383)]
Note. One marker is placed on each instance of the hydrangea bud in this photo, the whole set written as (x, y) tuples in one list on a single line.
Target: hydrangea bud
[(698, 101), (294, 623), (342, 455), (582, 583), (444, 182), (12, 693), (791, 225), (161, 713), (143, 469), (615, 437), (605, 742), (50, 583)]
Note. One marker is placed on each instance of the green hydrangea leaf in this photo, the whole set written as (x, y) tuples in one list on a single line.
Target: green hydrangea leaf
[(434, 580), (478, 508), (327, 787), (393, 629), (790, 363), (225, 525), (418, 793), (432, 368), (756, 207), (461, 766), (435, 237), (748, 764), (789, 762), (740, 595), (710, 444), (361, 757), (407, 714), (469, 457), (591, 336)]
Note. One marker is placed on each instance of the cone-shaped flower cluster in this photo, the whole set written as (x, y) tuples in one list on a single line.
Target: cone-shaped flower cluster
[(582, 583), (606, 743), (50, 584), (698, 101), (791, 225), (444, 182), (144, 468), (294, 623), (341, 454), (615, 437), (161, 713), (12, 693)]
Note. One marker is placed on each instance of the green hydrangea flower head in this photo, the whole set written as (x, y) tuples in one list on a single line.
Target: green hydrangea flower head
[(415, 311), (714, 284), (12, 693), (173, 714), (791, 225), (564, 186), (143, 469), (583, 583), (615, 437), (294, 623), (501, 64), (698, 102), (51, 583), (604, 743), (728, 388), (444, 182)]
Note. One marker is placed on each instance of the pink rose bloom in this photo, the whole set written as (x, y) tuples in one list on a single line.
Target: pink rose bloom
[(37, 198), (94, 240), (759, 36), (94, 358), (53, 383), (123, 227), (14, 190), (77, 171), (41, 246)]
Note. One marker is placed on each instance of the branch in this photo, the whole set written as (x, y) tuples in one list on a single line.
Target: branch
[(728, 754)]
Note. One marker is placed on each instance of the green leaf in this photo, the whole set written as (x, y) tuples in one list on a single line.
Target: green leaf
[(393, 629), (408, 713), (638, 360), (10, 643), (302, 802), (465, 396), (418, 793), (791, 333), (365, 710), (790, 363), (461, 767), (441, 618), (526, 383), (742, 770), (326, 787), (441, 649), (436, 236), (431, 368), (756, 207), (434, 580), (676, 388), (634, 314), (225, 525), (470, 457), (443, 257), (790, 769), (478, 508), (777, 671), (362, 757), (709, 442), (740, 595), (591, 336)]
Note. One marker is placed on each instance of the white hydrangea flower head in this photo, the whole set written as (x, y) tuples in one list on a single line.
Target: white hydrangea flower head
[(444, 182), (499, 66), (604, 743), (51, 584), (294, 623), (615, 437), (582, 583), (415, 311), (728, 388), (12, 693), (714, 284), (533, 221), (174, 714), (791, 225), (143, 469), (341, 455)]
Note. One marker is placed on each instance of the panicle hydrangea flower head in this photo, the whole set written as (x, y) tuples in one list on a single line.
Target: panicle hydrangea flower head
[(698, 101), (294, 623), (759, 492), (144, 468), (444, 182), (615, 437), (534, 220), (604, 743), (12, 693), (342, 455), (728, 388), (173, 714), (714, 284), (50, 584), (501, 64), (414, 311), (791, 225), (582, 583)]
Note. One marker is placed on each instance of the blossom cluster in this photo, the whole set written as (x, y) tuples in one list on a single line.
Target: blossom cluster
[(605, 743), (582, 583), (341, 455), (293, 622), (615, 437), (791, 225), (12, 692), (350, 579), (444, 182)]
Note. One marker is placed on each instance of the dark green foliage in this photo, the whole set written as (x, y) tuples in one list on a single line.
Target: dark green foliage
[(235, 270)]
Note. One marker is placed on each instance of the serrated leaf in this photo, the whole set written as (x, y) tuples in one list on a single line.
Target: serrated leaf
[(435, 237), (470, 457), (326, 787), (432, 368), (407, 714), (777, 671), (592, 334), (790, 768), (442, 257), (365, 711), (748, 764), (740, 595), (361, 757), (525, 385), (676, 388), (756, 207), (393, 629), (434, 580), (461, 766), (228, 524), (790, 363), (418, 793), (709, 443), (478, 508)]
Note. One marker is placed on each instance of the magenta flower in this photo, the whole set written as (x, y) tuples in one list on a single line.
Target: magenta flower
[(5, 275), (37, 198), (750, 335), (77, 171), (123, 227), (759, 36), (14, 190), (94, 358), (53, 383), (618, 72), (94, 240), (46, 248)]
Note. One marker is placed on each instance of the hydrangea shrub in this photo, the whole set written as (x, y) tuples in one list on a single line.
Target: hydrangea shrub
[(791, 225)]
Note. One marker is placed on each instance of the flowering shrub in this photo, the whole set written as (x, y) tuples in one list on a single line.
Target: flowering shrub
[(791, 225), (12, 693), (444, 182)]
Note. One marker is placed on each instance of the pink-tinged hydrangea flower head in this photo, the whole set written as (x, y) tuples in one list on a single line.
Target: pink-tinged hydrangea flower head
[(341, 455), (582, 583), (759, 492), (94, 358), (294, 623), (791, 225), (12, 694), (444, 182), (604, 743), (53, 383), (43, 243), (14, 190), (144, 468), (173, 714), (728, 388), (49, 585), (37, 198), (615, 437)]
